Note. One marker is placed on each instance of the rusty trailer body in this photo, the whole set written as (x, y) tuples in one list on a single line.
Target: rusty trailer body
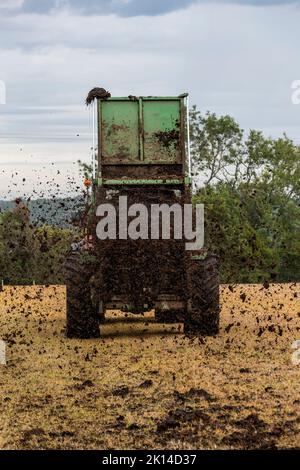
[(142, 154), (141, 139)]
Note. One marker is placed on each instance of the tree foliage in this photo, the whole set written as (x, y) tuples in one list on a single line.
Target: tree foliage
[(251, 190), (31, 254)]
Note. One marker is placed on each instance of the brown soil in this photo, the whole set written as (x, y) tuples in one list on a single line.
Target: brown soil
[(144, 385)]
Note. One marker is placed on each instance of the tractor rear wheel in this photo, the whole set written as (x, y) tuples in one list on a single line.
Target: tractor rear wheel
[(82, 313), (203, 309)]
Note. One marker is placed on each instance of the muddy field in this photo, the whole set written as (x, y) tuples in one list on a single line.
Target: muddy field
[(145, 385)]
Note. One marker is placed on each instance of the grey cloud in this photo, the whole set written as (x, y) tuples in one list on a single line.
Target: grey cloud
[(130, 8), (119, 7), (37, 6)]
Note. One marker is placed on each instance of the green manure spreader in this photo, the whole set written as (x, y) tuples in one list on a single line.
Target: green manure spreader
[(140, 254)]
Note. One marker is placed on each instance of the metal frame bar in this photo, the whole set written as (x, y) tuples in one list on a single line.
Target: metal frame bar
[(141, 126), (188, 137), (139, 182), (145, 98)]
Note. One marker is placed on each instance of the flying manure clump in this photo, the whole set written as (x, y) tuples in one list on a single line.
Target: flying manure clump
[(100, 93)]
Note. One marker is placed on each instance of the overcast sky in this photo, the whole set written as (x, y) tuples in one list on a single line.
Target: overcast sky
[(235, 57)]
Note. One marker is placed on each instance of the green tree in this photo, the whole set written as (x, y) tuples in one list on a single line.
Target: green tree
[(216, 146), (32, 254), (18, 246)]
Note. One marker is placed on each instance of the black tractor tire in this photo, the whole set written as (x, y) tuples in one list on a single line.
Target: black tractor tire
[(203, 304), (82, 313)]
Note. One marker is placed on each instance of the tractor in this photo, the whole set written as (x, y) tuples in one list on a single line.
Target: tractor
[(143, 158)]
